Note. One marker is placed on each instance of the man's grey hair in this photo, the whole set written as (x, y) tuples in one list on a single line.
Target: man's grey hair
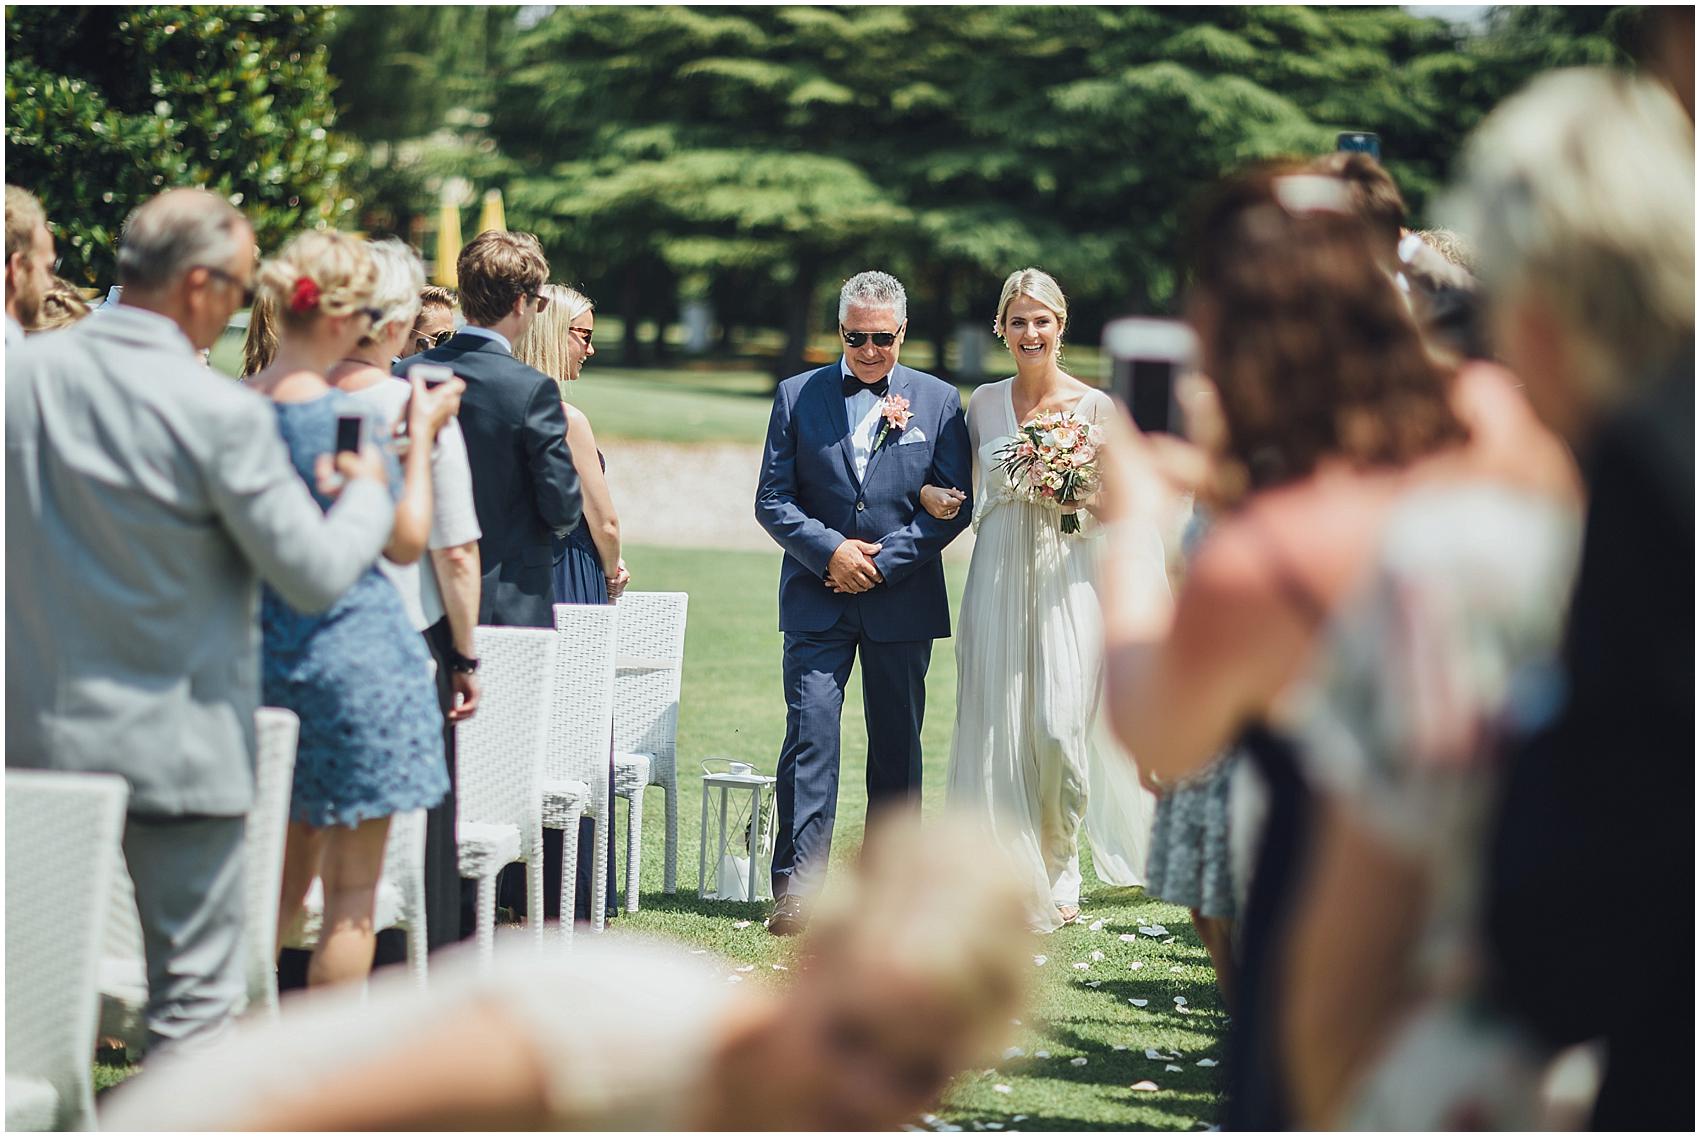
[(180, 229), (1579, 192), (396, 293), (873, 290)]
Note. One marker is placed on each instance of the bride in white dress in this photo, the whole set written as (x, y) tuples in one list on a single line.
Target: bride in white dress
[(1029, 755)]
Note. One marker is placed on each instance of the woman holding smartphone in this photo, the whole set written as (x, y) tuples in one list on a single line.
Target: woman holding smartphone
[(356, 675)]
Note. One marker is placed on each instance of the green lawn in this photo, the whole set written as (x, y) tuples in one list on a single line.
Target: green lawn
[(732, 707)]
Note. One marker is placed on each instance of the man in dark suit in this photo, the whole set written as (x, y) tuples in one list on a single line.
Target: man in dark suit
[(848, 449), (523, 483)]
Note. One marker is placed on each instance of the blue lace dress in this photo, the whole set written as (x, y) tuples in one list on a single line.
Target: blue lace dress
[(358, 675)]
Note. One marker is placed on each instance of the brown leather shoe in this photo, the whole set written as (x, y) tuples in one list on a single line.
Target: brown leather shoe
[(788, 917)]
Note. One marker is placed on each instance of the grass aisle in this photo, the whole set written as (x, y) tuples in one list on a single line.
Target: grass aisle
[(732, 707)]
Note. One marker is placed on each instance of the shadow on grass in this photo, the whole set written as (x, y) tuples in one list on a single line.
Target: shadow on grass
[(687, 903)]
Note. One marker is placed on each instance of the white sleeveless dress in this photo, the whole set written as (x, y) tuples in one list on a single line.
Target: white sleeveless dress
[(1029, 754)]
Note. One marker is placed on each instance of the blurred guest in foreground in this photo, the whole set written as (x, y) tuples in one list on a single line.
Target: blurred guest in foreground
[(1581, 193), (909, 979), (357, 675), (588, 568), (29, 261), (61, 306), (440, 592), (135, 475), (1330, 407)]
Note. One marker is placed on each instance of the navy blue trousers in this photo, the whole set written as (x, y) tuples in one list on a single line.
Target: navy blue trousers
[(894, 698)]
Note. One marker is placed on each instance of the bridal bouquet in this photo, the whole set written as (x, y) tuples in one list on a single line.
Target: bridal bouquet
[(1052, 461)]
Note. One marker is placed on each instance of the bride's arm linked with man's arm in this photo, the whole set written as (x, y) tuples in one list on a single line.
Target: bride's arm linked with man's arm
[(925, 537)]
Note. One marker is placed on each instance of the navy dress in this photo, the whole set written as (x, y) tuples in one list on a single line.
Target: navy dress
[(358, 675), (578, 580)]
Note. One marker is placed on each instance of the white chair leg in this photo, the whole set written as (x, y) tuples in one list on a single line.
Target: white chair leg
[(569, 878), (486, 934), (599, 875), (634, 847), (534, 888), (670, 853)]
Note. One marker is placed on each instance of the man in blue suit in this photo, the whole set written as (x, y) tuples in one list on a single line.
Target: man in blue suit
[(848, 449)]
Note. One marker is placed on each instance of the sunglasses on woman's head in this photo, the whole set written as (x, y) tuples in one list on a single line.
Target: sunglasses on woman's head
[(881, 339)]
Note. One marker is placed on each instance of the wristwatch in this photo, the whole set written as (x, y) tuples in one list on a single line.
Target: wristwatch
[(461, 664)]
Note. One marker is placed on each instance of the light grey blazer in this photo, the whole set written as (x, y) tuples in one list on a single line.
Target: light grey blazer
[(146, 498)]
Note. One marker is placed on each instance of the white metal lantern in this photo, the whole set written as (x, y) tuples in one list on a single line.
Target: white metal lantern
[(742, 844)]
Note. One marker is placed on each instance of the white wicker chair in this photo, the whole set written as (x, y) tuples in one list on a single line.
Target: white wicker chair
[(278, 731), (575, 771), (123, 970), (499, 756), (62, 836), (400, 901), (648, 668)]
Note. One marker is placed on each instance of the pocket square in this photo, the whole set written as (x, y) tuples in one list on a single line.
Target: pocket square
[(915, 434)]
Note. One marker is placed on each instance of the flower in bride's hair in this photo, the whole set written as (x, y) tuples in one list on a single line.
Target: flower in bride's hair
[(304, 297)]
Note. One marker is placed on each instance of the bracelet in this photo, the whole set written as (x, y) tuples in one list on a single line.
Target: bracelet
[(460, 664)]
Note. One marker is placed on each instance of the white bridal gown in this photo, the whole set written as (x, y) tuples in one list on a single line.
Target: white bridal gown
[(1030, 755)]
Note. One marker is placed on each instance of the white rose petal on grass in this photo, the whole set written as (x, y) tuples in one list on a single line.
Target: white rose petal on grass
[(1097, 926), (1128, 938), (1180, 1000), (1207, 1062), (1041, 1054), (1177, 967), (1135, 966), (1153, 1053), (1139, 1002), (1145, 1087), (780, 967), (1097, 957), (1041, 960), (1019, 1117), (1000, 1088), (741, 924), (1013, 1053), (1014, 1022), (1170, 940), (994, 1125), (1077, 1061), (1094, 982), (734, 979), (1119, 1046), (1153, 930), (1172, 1068), (1082, 966), (746, 969)]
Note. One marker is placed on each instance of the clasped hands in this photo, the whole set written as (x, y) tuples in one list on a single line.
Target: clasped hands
[(852, 568)]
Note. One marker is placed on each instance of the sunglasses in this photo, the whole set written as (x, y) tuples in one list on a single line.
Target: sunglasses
[(583, 333), (247, 286), (881, 339), (426, 343)]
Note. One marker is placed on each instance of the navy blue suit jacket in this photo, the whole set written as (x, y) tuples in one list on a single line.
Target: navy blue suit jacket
[(524, 486), (810, 501)]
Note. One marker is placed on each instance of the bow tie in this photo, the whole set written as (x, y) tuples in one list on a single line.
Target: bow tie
[(854, 386)]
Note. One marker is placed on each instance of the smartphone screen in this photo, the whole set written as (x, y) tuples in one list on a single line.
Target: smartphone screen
[(1145, 359), (1360, 140), (433, 374), (350, 433)]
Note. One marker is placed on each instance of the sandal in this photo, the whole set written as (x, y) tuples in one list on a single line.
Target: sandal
[(1069, 913)]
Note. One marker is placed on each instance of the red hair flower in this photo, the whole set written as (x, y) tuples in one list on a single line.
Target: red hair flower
[(305, 296)]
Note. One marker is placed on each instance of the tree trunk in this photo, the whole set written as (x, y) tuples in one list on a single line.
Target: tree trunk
[(940, 320), (631, 311), (799, 317)]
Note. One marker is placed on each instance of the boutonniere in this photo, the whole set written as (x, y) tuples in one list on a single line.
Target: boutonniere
[(895, 410)]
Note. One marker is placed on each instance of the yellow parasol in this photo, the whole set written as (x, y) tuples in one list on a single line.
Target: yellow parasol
[(492, 218), (448, 242)]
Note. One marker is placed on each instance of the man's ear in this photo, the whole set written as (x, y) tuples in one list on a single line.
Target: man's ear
[(15, 269)]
